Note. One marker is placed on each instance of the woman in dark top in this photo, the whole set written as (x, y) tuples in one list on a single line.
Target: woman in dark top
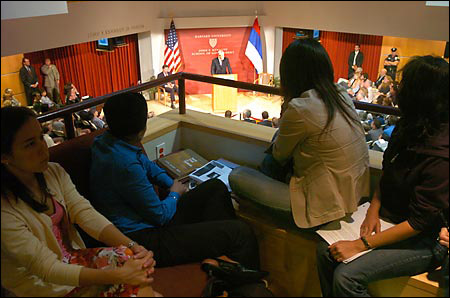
[(413, 192)]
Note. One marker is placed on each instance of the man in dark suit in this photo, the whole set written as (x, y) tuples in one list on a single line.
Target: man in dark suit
[(220, 64), (355, 60), (380, 79), (266, 121), (29, 79), (247, 114), (170, 86)]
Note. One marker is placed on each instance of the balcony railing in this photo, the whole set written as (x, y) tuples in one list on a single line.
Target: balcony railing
[(67, 111)]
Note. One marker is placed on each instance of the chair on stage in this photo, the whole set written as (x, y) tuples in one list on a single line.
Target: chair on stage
[(162, 91), (266, 79), (166, 96)]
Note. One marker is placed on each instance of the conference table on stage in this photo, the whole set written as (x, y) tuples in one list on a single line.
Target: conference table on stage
[(224, 98)]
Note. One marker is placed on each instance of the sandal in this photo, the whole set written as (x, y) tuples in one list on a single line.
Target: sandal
[(234, 273)]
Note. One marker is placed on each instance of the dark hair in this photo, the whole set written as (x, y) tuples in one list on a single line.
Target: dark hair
[(365, 76), (305, 65), (126, 114), (357, 44), (164, 66), (265, 115), (13, 118), (228, 113), (376, 122), (423, 99), (380, 99), (23, 59), (67, 88)]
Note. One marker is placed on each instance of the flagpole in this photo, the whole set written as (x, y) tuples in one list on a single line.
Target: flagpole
[(254, 68)]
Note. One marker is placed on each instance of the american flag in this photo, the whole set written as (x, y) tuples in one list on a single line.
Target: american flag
[(172, 56)]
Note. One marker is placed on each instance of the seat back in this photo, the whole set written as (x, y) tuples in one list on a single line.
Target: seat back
[(75, 157)]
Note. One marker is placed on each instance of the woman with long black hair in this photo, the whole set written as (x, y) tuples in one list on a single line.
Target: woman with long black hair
[(412, 193)]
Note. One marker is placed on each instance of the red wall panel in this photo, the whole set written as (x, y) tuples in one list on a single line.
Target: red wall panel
[(199, 46)]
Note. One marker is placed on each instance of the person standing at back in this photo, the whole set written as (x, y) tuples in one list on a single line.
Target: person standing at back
[(29, 79), (355, 60), (391, 62), (51, 80)]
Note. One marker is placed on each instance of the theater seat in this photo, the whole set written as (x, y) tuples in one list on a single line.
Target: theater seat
[(75, 157)]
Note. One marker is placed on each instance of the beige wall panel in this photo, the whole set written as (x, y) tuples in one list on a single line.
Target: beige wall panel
[(91, 20), (409, 47), (11, 63), (12, 81)]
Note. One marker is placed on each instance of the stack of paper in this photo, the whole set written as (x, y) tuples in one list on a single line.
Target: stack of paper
[(348, 228)]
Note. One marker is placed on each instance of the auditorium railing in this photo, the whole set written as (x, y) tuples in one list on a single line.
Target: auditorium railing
[(67, 111)]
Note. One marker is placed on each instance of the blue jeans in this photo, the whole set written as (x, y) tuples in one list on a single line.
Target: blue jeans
[(412, 256)]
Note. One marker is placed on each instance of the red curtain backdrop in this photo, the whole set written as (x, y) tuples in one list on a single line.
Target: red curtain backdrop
[(339, 45), (199, 46), (93, 73)]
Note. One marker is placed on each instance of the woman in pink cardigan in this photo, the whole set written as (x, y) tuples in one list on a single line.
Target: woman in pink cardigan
[(42, 253)]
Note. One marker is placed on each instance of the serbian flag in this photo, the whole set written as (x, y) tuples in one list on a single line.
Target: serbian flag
[(254, 47)]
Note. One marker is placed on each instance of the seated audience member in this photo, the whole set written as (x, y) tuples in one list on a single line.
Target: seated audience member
[(379, 99), (376, 131), (91, 114), (186, 226), (150, 114), (367, 84), (228, 114), (46, 101), (364, 78), (362, 95), (42, 251), (380, 78), (170, 86), (355, 83), (58, 128), (412, 192), (266, 121), (37, 105), (320, 132), (391, 122), (392, 94), (9, 95), (69, 89), (73, 97), (387, 101), (275, 122), (385, 85), (247, 114)]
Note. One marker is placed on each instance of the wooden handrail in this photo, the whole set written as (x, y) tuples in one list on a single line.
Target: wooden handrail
[(67, 111)]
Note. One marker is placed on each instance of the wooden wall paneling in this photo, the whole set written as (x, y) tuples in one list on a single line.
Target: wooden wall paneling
[(11, 64), (409, 47), (12, 81)]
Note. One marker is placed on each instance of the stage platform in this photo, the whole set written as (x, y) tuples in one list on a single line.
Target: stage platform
[(257, 103)]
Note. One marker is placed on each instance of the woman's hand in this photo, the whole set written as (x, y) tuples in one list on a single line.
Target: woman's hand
[(443, 237), (141, 252), (178, 187), (370, 224), (134, 273), (343, 250)]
